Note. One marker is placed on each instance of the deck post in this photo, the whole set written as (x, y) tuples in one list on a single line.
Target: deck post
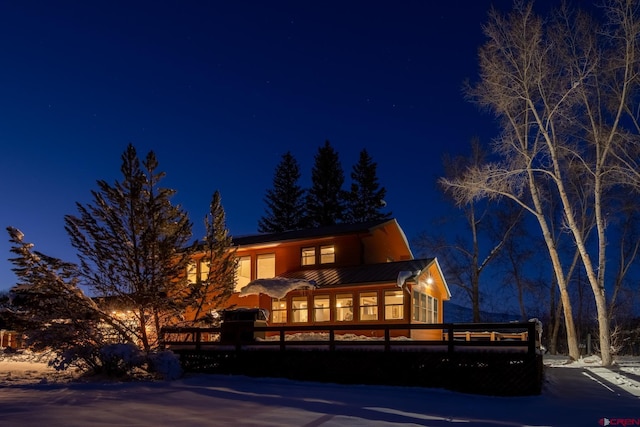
[(198, 340), (450, 338), (387, 339)]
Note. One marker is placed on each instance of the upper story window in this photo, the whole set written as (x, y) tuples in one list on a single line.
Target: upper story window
[(243, 276), (192, 272), (308, 256), (266, 266), (327, 254), (204, 270)]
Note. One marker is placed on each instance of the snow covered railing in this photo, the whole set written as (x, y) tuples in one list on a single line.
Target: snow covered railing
[(450, 337)]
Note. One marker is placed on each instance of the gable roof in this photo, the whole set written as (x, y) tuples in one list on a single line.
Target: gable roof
[(309, 233), (386, 272)]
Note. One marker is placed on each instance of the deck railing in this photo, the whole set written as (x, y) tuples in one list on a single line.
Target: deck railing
[(514, 336)]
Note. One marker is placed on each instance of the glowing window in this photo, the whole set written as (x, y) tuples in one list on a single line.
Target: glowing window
[(243, 276), (344, 307), (266, 266), (327, 254), (321, 308), (300, 312), (368, 306), (393, 304), (278, 310), (308, 256)]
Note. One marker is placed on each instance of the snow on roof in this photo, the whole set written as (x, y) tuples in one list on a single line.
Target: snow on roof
[(276, 287)]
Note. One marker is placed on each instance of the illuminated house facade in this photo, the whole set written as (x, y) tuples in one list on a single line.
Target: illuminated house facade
[(361, 273)]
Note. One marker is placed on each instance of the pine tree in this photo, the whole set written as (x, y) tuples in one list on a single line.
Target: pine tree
[(325, 204), (131, 244), (53, 313), (366, 198), (219, 262), (285, 201)]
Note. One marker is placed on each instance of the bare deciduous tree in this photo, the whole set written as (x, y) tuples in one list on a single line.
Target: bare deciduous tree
[(564, 90)]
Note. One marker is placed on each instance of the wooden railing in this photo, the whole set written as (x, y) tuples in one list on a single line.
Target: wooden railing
[(520, 336)]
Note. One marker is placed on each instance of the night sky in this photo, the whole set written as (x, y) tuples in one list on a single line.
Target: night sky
[(219, 90)]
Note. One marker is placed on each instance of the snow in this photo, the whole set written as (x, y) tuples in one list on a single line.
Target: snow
[(579, 393), (276, 287)]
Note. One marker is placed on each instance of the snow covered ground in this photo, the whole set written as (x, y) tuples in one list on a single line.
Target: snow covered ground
[(574, 394)]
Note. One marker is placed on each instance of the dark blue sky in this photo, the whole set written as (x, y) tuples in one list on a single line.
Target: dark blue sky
[(220, 90)]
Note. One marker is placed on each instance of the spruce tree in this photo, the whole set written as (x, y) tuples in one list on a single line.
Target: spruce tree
[(285, 201), (325, 204), (131, 244), (53, 313), (219, 262), (366, 198)]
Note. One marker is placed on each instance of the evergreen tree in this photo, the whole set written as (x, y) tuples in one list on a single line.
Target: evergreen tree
[(219, 263), (285, 201), (131, 244), (49, 308), (366, 198), (325, 204)]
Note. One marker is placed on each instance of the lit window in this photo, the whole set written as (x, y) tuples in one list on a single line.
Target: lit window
[(308, 256), (243, 276), (327, 254), (204, 270), (299, 307), (266, 266), (393, 304), (192, 272), (321, 308), (369, 306), (344, 307), (278, 310), (425, 308)]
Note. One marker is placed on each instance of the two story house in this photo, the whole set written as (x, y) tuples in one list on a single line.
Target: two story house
[(341, 274)]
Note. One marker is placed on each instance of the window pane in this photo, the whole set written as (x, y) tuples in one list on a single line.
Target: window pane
[(308, 256), (327, 254), (394, 304), (266, 266), (192, 274), (368, 306), (204, 270), (278, 310), (299, 309), (344, 307), (243, 276), (321, 308)]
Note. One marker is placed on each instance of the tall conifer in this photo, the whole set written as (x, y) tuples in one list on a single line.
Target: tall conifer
[(131, 244), (365, 200), (285, 201), (325, 204)]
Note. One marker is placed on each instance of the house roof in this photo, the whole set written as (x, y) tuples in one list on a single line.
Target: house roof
[(386, 272), (309, 233)]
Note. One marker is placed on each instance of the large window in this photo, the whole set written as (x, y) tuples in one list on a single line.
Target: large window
[(308, 256), (204, 270), (266, 266), (344, 307), (192, 272), (243, 276), (369, 306), (300, 312), (394, 304), (425, 307), (321, 308), (327, 254), (278, 310)]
